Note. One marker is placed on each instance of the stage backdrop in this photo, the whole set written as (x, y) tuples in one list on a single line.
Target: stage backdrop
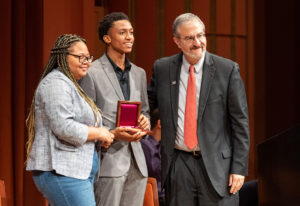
[(261, 35)]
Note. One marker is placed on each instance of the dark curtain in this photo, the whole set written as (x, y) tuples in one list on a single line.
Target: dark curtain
[(21, 60)]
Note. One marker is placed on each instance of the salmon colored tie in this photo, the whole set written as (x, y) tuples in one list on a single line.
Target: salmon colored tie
[(190, 117)]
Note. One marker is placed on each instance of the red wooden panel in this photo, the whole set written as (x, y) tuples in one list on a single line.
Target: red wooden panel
[(118, 6), (6, 153), (19, 96), (223, 17), (241, 17), (74, 17), (146, 34), (99, 45), (90, 31), (201, 9), (223, 48), (256, 121), (208, 39), (240, 54), (173, 8), (61, 17), (34, 67)]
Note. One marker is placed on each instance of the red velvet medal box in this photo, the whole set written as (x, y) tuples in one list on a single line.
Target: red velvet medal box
[(128, 114)]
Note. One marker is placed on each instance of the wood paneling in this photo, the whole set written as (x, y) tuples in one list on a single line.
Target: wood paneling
[(202, 9), (118, 6), (99, 45), (241, 17), (223, 48), (251, 82), (89, 20), (6, 150), (160, 28), (19, 100), (35, 57), (223, 16), (260, 35), (146, 34), (241, 58), (173, 8)]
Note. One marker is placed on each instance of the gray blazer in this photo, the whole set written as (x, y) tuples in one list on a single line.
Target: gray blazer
[(62, 118), (102, 85), (222, 126)]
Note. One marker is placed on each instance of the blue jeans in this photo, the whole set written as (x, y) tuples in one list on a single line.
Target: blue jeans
[(66, 191)]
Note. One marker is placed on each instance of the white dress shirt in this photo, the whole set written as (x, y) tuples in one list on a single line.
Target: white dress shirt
[(184, 75)]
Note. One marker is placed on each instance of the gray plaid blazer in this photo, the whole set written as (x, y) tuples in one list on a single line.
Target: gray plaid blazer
[(62, 118)]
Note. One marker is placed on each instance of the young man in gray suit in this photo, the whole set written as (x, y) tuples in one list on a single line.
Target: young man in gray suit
[(204, 119), (123, 170)]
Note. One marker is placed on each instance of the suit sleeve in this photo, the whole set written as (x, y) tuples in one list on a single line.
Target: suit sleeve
[(238, 114), (87, 84), (152, 90), (145, 104)]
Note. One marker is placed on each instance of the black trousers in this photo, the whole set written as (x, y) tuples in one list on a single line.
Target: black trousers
[(188, 184)]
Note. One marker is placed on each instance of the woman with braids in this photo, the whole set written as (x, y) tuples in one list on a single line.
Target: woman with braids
[(63, 126)]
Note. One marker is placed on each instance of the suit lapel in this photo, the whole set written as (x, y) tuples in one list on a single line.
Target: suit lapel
[(111, 75), (174, 74), (207, 78), (132, 80)]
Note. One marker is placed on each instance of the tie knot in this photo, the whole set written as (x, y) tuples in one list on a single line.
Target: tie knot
[(192, 68)]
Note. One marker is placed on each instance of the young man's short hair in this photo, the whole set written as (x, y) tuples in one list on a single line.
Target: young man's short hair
[(107, 22)]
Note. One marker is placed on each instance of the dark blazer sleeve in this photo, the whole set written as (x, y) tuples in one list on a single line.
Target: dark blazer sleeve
[(238, 115), (152, 90), (144, 96)]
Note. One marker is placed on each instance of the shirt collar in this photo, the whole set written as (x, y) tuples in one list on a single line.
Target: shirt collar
[(116, 68), (198, 66)]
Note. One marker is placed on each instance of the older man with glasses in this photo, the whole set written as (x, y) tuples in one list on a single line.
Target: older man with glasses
[(204, 121)]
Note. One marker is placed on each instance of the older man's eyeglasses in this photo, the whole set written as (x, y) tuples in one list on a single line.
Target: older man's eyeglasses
[(191, 39), (83, 59)]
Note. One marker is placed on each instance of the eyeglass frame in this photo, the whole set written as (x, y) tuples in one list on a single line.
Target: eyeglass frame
[(83, 61), (191, 39)]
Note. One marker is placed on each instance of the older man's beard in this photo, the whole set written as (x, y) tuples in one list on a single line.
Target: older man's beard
[(196, 56)]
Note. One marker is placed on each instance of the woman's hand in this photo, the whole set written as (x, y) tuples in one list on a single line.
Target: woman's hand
[(105, 137)]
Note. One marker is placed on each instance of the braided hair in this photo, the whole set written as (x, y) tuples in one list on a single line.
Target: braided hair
[(58, 58)]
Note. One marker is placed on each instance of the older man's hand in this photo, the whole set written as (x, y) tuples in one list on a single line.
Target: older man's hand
[(236, 182)]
